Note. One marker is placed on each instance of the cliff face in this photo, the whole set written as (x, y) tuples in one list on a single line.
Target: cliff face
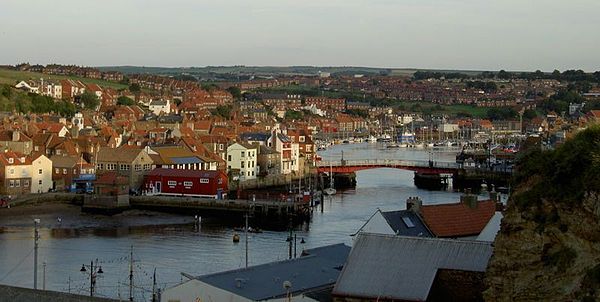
[(548, 248)]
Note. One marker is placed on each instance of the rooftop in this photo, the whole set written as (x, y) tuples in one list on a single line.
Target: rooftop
[(318, 268)]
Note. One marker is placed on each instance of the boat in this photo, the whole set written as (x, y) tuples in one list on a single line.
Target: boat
[(419, 145), (250, 230), (371, 139), (331, 190), (392, 146)]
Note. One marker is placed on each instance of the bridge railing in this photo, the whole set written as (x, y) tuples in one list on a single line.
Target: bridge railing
[(387, 163)]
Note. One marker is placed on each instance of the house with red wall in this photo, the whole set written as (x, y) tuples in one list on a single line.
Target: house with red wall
[(194, 183)]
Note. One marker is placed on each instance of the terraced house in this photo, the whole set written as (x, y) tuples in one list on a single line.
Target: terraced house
[(129, 162)]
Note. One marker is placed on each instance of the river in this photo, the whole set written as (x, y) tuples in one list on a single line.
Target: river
[(172, 249)]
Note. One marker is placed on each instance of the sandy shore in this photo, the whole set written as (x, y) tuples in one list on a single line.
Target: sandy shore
[(70, 216)]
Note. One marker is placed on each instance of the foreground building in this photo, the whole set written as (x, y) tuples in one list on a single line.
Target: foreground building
[(398, 268), (309, 277)]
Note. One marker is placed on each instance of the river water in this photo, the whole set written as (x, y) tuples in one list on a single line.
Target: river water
[(172, 249)]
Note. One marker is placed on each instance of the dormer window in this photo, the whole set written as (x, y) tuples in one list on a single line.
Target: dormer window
[(11, 161), (22, 159)]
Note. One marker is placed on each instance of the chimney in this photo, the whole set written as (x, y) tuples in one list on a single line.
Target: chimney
[(414, 204), (16, 135)]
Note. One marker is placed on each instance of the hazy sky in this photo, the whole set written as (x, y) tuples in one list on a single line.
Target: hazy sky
[(441, 34)]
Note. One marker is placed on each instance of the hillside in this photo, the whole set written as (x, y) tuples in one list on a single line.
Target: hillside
[(549, 245), (11, 77)]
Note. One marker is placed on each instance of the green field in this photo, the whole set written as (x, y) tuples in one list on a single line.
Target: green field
[(11, 77)]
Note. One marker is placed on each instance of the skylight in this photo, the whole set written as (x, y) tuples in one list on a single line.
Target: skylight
[(408, 222)]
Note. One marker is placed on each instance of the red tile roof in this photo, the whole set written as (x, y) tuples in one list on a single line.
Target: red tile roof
[(457, 220)]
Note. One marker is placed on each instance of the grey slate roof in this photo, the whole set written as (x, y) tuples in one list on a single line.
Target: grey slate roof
[(313, 272), (18, 294), (255, 136), (396, 220), (404, 268)]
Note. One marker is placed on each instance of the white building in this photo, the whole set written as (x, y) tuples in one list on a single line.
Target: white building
[(53, 90), (160, 106), (41, 174), (242, 157), (289, 151), (29, 87)]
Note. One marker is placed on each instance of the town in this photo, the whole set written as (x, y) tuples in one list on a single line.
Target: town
[(270, 146)]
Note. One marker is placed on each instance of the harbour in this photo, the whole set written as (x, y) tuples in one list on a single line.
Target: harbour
[(176, 243)]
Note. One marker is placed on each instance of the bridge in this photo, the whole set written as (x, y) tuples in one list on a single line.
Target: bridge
[(420, 166)]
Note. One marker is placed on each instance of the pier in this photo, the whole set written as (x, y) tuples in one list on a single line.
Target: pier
[(277, 209)]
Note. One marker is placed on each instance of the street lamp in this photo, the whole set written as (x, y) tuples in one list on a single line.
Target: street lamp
[(94, 270)]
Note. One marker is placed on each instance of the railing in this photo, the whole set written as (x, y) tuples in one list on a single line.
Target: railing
[(387, 163)]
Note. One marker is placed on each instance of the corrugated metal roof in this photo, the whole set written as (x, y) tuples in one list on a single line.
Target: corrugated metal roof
[(320, 268), (404, 268)]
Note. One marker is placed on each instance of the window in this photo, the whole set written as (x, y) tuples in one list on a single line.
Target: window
[(12, 171), (40, 182), (124, 167), (252, 173), (74, 171), (11, 161), (229, 157), (98, 166), (12, 183), (204, 180), (26, 183), (64, 171), (138, 167), (146, 167), (172, 183), (248, 173), (408, 222), (111, 167), (17, 183), (243, 153), (187, 183), (57, 171), (242, 164), (36, 148), (220, 146)]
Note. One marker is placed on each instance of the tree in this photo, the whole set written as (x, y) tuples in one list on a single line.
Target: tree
[(293, 115), (89, 100), (125, 101), (135, 88), (222, 111), (235, 92)]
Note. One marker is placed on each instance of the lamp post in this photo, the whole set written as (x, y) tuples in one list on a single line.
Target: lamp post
[(94, 270)]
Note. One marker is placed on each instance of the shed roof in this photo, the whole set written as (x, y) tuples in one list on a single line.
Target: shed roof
[(404, 268), (319, 268)]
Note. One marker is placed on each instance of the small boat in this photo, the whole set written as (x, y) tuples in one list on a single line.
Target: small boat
[(250, 230), (419, 146), (346, 141), (372, 139), (392, 146), (330, 191), (403, 145)]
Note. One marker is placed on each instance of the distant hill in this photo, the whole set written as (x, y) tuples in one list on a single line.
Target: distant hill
[(209, 71)]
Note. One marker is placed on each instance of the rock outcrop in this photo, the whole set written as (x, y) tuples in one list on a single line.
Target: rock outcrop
[(548, 248)]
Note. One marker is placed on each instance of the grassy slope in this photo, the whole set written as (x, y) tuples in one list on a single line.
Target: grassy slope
[(8, 76)]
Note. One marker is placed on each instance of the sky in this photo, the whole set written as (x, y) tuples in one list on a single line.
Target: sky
[(517, 35)]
